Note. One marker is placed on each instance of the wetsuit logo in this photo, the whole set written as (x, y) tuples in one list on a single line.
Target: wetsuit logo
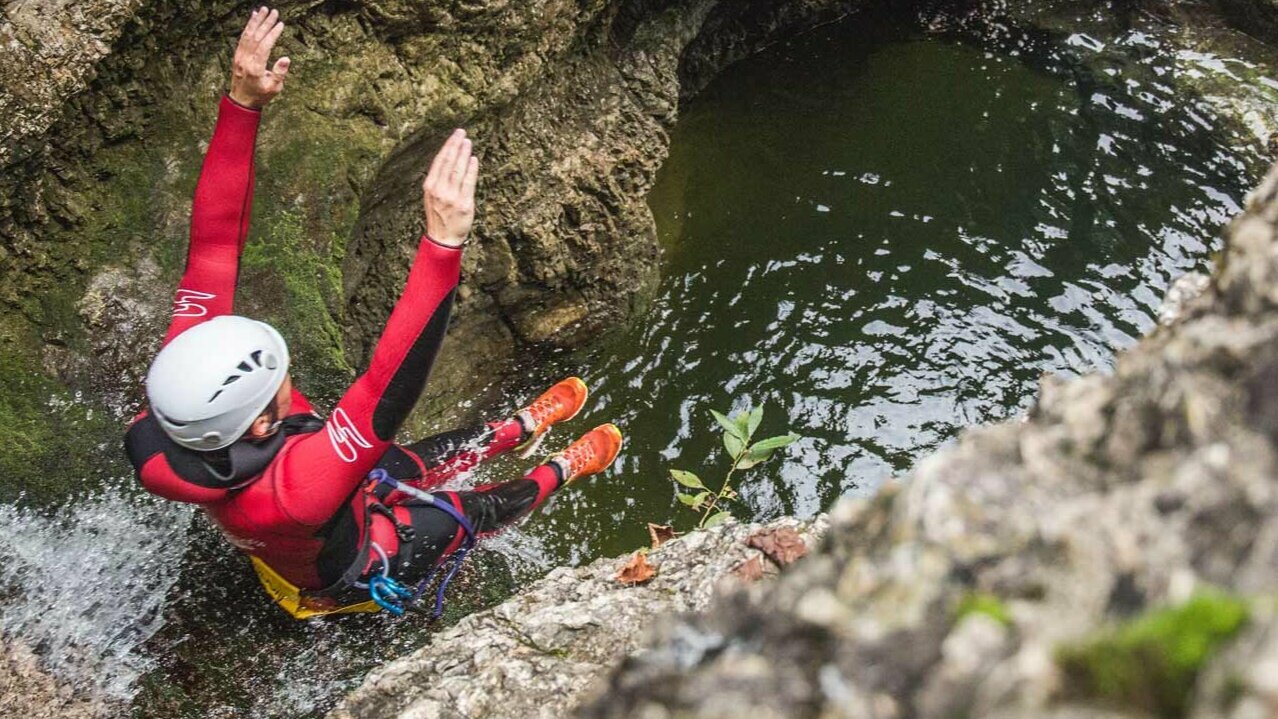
[(185, 305), (345, 437)]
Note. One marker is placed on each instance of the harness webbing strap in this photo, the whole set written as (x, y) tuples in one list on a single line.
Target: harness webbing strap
[(454, 560)]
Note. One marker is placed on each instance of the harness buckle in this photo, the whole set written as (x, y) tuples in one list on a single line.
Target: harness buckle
[(405, 532)]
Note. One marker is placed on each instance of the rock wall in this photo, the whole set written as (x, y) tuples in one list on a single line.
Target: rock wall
[(108, 104), (537, 654)]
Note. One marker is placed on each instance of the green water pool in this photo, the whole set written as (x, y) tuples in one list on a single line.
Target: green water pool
[(885, 236)]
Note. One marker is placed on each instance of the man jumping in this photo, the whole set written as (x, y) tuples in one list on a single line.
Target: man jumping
[(227, 430)]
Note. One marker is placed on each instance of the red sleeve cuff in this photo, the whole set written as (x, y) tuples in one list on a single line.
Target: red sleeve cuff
[(227, 99)]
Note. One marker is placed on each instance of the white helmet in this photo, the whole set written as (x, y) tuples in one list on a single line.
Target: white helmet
[(209, 383)]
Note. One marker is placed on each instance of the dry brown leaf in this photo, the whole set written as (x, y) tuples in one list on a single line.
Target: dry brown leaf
[(636, 571), (750, 570), (782, 545), (660, 533)]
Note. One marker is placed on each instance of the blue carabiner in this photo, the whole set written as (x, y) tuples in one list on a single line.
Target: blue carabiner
[(388, 594)]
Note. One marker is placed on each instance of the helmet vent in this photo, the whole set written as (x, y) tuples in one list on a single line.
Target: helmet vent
[(244, 367), (257, 357), (215, 394)]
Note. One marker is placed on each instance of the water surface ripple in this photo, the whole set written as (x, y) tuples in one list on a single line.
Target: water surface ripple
[(887, 241)]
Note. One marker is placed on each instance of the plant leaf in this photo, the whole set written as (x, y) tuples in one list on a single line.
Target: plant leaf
[(782, 545), (733, 444), (756, 417), (728, 425), (694, 501), (751, 570), (687, 479), (742, 420), (716, 518), (754, 457), (772, 443), (660, 534), (636, 571)]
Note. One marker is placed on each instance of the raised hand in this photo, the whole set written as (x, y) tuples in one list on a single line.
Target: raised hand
[(252, 85), (448, 192)]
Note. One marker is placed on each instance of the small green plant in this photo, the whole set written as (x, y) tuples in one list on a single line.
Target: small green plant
[(738, 431)]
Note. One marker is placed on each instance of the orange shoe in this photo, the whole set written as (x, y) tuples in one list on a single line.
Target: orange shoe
[(591, 454), (560, 403)]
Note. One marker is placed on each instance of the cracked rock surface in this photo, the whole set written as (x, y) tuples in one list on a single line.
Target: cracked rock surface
[(538, 653)]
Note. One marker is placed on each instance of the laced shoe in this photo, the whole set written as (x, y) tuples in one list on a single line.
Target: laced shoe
[(560, 403), (591, 454)]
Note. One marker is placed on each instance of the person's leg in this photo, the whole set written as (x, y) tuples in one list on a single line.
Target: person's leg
[(444, 456), (493, 507), (441, 457)]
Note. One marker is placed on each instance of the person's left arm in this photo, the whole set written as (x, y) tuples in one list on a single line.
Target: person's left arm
[(321, 471)]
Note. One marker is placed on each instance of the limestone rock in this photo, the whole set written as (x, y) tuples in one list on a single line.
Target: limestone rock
[(535, 655)]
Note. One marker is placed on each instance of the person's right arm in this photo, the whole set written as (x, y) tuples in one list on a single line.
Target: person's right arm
[(224, 193), (321, 472)]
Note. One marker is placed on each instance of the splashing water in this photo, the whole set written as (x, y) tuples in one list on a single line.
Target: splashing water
[(85, 585)]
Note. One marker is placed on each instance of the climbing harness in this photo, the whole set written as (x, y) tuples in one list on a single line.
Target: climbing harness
[(387, 592), (384, 591)]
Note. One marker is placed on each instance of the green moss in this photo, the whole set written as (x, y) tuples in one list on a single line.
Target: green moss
[(983, 603), (304, 279), (52, 437), (1151, 663)]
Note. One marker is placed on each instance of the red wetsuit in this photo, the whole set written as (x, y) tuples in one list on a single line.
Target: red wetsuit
[(307, 511)]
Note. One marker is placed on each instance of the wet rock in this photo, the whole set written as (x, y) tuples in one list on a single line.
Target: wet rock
[(536, 654), (26, 690), (1183, 290)]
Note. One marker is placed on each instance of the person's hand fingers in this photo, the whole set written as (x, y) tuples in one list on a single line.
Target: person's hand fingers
[(251, 26), (267, 24), (470, 179), (281, 68), (458, 173), (443, 158), (279, 73), (263, 50)]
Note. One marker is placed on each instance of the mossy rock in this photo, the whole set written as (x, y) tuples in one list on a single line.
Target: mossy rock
[(53, 438), (1152, 662), (985, 604)]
